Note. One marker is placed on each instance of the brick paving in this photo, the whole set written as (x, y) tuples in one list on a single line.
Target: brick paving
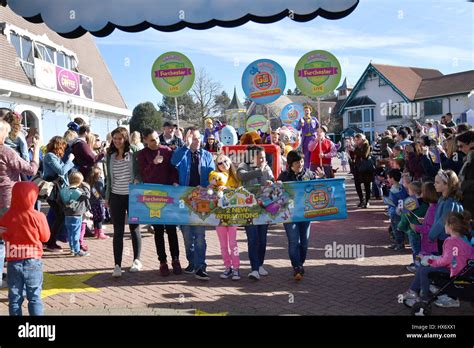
[(331, 286)]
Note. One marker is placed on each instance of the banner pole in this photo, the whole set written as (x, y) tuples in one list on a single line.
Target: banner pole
[(177, 112), (319, 127)]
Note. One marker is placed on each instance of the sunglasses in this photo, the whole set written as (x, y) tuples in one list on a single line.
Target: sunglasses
[(221, 163)]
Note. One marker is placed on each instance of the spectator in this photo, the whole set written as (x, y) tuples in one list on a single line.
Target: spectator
[(121, 171), (363, 172), (465, 143), (402, 138), (85, 158), (322, 151), (16, 139), (136, 140), (449, 120), (169, 138)]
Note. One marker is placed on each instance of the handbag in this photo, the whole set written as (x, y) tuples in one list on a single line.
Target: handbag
[(54, 198), (366, 165), (45, 187)]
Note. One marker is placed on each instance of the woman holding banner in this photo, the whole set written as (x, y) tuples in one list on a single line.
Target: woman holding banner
[(255, 171)]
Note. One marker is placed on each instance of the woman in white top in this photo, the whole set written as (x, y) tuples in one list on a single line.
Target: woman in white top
[(121, 170)]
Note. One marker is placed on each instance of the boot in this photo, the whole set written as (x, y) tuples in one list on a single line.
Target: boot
[(99, 234), (84, 246)]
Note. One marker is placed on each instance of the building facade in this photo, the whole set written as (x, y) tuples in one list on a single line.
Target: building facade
[(392, 96), (50, 80)]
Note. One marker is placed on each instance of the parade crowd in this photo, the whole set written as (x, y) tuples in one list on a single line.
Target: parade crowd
[(82, 178)]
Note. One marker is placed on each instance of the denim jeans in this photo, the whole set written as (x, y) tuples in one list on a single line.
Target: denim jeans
[(195, 244), (422, 280), (415, 243), (73, 226), (25, 274), (257, 244), (298, 235), (398, 235)]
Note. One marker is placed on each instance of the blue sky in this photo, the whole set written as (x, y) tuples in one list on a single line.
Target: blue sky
[(430, 34)]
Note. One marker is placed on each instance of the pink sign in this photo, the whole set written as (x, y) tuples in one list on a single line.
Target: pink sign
[(155, 199), (67, 81), (173, 72), (317, 72)]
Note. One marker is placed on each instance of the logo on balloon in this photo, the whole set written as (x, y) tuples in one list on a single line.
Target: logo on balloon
[(263, 81)]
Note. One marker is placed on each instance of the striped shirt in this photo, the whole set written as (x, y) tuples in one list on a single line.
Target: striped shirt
[(121, 176)]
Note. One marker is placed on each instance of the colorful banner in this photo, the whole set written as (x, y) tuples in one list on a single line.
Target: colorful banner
[(56, 78), (263, 81), (291, 114), (172, 74), (317, 73), (323, 199)]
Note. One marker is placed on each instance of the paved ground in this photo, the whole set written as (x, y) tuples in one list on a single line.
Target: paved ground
[(332, 286)]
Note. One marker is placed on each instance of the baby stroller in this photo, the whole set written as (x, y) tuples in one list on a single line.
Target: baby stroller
[(461, 286)]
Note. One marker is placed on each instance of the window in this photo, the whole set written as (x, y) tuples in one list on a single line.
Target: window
[(366, 115), (433, 107), (45, 53), (355, 116), (372, 115), (382, 82)]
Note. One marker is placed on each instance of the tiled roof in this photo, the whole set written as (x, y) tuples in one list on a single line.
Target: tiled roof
[(458, 83), (406, 79)]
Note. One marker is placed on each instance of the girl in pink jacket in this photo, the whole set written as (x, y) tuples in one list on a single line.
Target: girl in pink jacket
[(430, 196), (457, 250)]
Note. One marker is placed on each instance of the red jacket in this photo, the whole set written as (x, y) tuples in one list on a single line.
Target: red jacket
[(326, 145), (25, 228), (163, 173)]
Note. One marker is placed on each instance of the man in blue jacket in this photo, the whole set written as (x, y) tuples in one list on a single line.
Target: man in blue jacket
[(194, 165)]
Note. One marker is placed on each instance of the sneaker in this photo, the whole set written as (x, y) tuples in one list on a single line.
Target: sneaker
[(136, 266), (360, 205), (176, 267), (411, 268), (235, 274), (189, 269), (201, 275), (150, 229), (262, 271), (227, 273), (297, 274), (399, 247), (81, 253), (117, 272), (409, 295), (433, 289), (84, 247), (255, 275), (411, 301), (447, 302), (164, 270), (302, 270), (393, 246), (365, 205)]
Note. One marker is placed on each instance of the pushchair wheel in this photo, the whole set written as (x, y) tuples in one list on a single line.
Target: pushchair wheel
[(421, 309)]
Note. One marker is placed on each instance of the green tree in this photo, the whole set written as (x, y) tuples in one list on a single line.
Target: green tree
[(221, 102), (187, 108), (145, 115)]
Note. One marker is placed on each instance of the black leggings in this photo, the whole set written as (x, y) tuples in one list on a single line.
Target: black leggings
[(57, 224), (160, 241), (118, 207), (358, 184)]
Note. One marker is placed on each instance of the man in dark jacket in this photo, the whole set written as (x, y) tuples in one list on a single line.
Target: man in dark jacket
[(168, 138), (154, 164)]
